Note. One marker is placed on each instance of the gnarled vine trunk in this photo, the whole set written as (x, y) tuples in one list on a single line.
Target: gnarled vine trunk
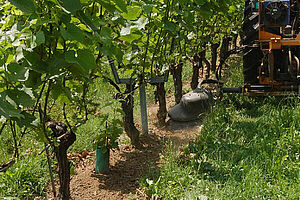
[(66, 139), (176, 71), (127, 106), (214, 56), (234, 41), (207, 63), (197, 65), (64, 164), (224, 47), (160, 97)]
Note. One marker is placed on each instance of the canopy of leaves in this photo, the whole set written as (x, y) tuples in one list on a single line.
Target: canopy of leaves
[(69, 41)]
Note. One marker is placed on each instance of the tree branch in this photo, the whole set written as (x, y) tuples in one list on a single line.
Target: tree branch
[(2, 127), (112, 83)]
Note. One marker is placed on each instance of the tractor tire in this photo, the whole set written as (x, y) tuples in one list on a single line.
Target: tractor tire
[(252, 57)]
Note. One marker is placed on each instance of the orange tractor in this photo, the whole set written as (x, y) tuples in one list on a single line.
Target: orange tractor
[(272, 47)]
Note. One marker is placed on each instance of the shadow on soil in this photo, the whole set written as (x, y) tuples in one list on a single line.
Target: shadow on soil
[(130, 166)]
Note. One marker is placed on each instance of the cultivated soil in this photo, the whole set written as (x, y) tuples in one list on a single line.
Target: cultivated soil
[(128, 164)]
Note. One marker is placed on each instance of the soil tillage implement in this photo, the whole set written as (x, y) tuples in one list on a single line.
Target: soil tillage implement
[(271, 51)]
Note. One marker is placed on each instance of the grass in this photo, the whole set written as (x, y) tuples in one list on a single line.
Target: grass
[(25, 179), (248, 149)]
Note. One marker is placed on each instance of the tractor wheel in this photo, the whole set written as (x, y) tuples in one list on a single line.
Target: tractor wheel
[(252, 55)]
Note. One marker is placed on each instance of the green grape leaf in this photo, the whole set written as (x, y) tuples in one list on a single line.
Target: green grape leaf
[(8, 111), (40, 66), (129, 72), (75, 67), (86, 59), (105, 36), (61, 93), (66, 96), (147, 9), (16, 72), (56, 91), (40, 38), (87, 21), (130, 38), (232, 9), (133, 12), (118, 53), (34, 79), (20, 98), (27, 6), (77, 70), (206, 13), (35, 63), (121, 4), (107, 51), (28, 121), (71, 5), (56, 63), (70, 57), (72, 32), (107, 5), (83, 62), (170, 26), (31, 57)]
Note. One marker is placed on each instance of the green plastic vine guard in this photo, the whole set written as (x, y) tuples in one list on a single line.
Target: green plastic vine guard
[(102, 160)]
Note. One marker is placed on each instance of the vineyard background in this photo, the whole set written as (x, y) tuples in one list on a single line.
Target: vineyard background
[(57, 87)]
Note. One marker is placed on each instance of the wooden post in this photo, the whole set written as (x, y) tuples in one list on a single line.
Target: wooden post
[(143, 103)]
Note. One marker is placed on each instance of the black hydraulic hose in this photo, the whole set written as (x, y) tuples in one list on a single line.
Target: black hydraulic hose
[(296, 20)]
